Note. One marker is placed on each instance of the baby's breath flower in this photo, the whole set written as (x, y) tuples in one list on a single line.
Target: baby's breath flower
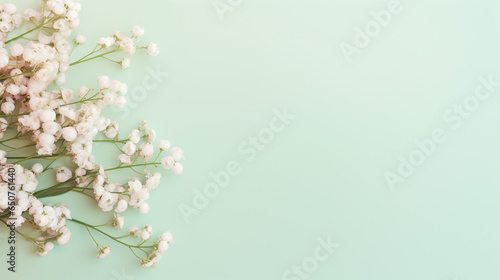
[(64, 127), (103, 252), (153, 49), (125, 63), (80, 39)]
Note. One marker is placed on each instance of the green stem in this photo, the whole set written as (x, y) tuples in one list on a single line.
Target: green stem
[(91, 53), (20, 233), (10, 139), (5, 214), (38, 193), (85, 100), (20, 148), (31, 30), (134, 165), (82, 192), (94, 57), (116, 145), (48, 165), (47, 157), (82, 101), (135, 254), (17, 115), (112, 141), (58, 150), (158, 155), (104, 233), (111, 60), (12, 76), (26, 158), (90, 233), (8, 146)]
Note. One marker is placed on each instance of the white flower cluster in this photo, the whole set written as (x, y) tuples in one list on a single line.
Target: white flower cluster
[(53, 117), (103, 252), (160, 247), (120, 42), (59, 123), (8, 21), (136, 191), (49, 220), (25, 185)]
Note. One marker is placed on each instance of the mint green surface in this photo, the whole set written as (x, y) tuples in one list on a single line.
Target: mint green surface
[(324, 173)]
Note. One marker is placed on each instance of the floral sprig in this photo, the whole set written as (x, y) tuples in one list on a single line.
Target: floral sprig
[(58, 129)]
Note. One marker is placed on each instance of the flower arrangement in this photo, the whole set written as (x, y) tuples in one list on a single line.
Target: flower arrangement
[(57, 127)]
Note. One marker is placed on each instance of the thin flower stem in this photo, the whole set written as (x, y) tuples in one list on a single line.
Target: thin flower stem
[(90, 233), (112, 141), (158, 155), (20, 148), (135, 159), (73, 49), (83, 97), (47, 157), (94, 57), (143, 250), (124, 236), (97, 93), (138, 172), (10, 139), (135, 254), (31, 30), (27, 158), (20, 233), (111, 60), (18, 115), (119, 149), (87, 186), (8, 146), (91, 53), (38, 193), (60, 191), (134, 165), (12, 76), (84, 100), (82, 192), (51, 28), (104, 233), (106, 224), (48, 165)]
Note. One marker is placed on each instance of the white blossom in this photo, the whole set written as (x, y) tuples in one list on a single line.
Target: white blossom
[(153, 49), (125, 63), (134, 136), (177, 168), (138, 31), (103, 252), (118, 221), (63, 174), (163, 145), (80, 39)]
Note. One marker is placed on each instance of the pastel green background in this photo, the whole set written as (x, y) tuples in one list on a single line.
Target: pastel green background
[(324, 174)]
